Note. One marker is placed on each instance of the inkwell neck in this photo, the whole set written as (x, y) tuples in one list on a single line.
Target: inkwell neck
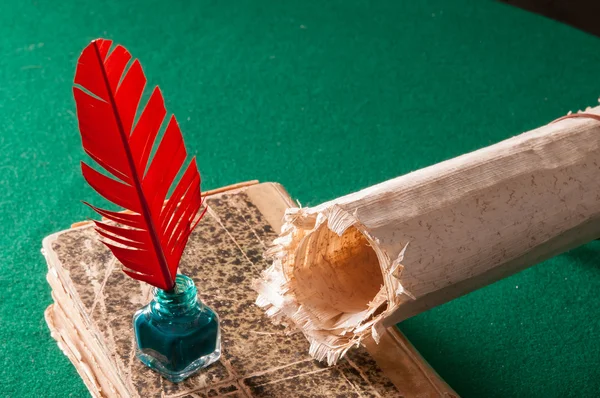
[(180, 300)]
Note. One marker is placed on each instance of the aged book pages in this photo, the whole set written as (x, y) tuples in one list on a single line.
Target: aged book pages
[(94, 303), (348, 268)]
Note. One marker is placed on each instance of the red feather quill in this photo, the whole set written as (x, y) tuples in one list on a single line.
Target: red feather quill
[(152, 236)]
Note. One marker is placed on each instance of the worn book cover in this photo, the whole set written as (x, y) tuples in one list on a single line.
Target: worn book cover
[(94, 303)]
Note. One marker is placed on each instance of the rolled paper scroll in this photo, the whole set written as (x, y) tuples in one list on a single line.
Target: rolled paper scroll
[(348, 268)]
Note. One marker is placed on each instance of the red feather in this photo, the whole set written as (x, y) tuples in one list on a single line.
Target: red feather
[(153, 235)]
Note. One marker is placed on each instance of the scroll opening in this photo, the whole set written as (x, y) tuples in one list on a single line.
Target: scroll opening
[(335, 274), (329, 279)]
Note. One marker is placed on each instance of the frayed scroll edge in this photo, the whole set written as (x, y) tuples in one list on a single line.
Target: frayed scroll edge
[(327, 342)]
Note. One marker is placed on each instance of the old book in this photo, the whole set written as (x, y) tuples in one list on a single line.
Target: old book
[(94, 302)]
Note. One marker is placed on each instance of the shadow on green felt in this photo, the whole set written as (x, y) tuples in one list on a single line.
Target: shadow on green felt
[(587, 255), (464, 348)]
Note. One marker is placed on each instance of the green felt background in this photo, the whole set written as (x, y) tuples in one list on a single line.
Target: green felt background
[(326, 97)]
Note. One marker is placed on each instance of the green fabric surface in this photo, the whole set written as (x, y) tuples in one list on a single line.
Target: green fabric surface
[(325, 97)]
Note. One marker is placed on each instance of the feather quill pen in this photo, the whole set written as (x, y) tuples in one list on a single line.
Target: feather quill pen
[(149, 239)]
